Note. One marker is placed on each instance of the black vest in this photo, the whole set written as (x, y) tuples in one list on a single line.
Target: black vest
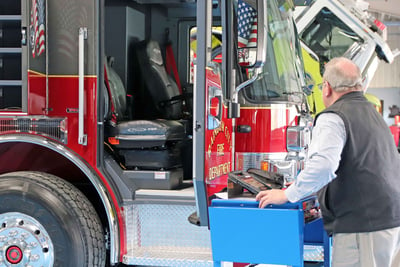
[(365, 195)]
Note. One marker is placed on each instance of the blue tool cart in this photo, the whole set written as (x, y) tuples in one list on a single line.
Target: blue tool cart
[(242, 232)]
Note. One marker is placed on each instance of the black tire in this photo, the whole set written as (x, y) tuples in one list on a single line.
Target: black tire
[(66, 215)]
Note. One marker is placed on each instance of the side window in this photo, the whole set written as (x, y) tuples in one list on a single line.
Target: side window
[(216, 54)]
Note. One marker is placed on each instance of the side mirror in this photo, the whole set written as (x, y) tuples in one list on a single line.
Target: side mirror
[(252, 33), (214, 112), (256, 54), (297, 138)]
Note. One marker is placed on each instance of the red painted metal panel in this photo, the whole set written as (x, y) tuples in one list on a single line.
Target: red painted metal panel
[(36, 93), (63, 102), (268, 129)]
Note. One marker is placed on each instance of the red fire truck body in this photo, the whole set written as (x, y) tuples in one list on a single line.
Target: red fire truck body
[(97, 168)]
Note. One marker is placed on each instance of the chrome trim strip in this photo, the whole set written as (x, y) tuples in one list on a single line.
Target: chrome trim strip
[(141, 137)]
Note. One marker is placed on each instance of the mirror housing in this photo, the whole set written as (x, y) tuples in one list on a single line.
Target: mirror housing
[(261, 47), (262, 33), (251, 54), (297, 138)]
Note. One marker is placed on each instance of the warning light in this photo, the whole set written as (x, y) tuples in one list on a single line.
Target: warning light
[(113, 141), (264, 165), (380, 25)]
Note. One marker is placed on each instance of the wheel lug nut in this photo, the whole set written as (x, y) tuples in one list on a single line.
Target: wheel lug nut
[(34, 257), (33, 244), (13, 233), (24, 235)]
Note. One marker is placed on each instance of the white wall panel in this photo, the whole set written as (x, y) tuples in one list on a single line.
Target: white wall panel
[(388, 75), (390, 97)]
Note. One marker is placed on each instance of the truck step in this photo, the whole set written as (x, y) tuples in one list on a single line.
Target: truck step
[(161, 235)]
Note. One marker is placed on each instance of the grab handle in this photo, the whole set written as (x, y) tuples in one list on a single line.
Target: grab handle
[(82, 137)]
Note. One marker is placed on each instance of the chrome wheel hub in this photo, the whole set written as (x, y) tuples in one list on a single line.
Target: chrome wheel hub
[(24, 241)]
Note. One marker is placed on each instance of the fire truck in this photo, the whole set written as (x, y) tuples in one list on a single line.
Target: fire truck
[(120, 121), (332, 28)]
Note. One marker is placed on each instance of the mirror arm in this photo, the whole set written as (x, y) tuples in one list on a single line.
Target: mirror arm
[(234, 106), (246, 83)]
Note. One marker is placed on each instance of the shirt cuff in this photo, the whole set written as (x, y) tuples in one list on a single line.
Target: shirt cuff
[(293, 194)]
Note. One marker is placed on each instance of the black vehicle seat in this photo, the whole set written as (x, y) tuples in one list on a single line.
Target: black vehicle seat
[(158, 95), (147, 144)]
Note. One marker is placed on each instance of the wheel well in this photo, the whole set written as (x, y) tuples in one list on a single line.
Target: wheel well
[(22, 156)]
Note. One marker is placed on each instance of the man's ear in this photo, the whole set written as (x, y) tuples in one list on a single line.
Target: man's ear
[(329, 90)]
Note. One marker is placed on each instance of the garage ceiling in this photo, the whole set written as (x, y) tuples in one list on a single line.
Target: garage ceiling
[(387, 7)]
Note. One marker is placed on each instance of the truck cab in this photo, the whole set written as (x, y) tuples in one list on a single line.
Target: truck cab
[(121, 120), (333, 28)]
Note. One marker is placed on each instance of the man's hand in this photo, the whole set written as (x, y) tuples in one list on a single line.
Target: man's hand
[(273, 196)]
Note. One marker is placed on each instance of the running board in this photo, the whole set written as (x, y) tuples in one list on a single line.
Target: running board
[(160, 233)]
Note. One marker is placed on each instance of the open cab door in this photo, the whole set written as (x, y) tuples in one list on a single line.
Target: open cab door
[(217, 83)]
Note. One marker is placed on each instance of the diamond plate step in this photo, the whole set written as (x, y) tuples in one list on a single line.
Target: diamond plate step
[(161, 235)]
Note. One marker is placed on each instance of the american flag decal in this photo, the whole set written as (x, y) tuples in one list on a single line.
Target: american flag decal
[(37, 27)]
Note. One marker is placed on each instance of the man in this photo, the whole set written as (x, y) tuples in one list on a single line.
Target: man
[(355, 168)]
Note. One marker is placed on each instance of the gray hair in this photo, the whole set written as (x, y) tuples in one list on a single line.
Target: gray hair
[(343, 75)]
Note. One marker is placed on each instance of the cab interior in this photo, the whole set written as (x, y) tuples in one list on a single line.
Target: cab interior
[(148, 91)]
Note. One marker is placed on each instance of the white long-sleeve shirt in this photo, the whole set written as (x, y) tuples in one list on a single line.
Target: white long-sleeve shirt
[(328, 139)]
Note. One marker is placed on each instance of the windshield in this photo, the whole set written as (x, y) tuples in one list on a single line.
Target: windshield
[(279, 78), (329, 37)]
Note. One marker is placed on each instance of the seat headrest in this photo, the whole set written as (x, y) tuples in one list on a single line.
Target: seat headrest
[(117, 89), (154, 53)]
